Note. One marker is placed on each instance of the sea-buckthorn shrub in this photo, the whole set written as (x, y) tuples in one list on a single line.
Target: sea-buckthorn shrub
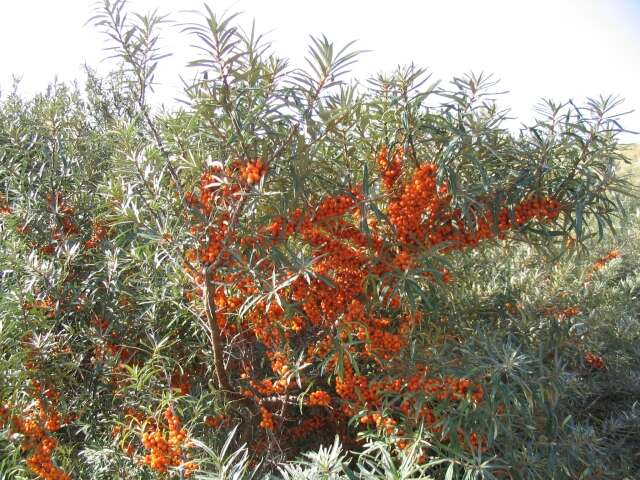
[(291, 259)]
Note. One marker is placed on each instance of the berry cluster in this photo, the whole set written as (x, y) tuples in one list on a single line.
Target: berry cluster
[(568, 312), (5, 209), (267, 418), (36, 426), (252, 172), (98, 232), (316, 423), (421, 214), (561, 313), (215, 421), (390, 169), (595, 361), (46, 306), (181, 381), (600, 263), (64, 216), (319, 398), (166, 446)]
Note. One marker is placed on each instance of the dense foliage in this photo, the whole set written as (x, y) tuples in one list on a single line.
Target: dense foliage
[(383, 275)]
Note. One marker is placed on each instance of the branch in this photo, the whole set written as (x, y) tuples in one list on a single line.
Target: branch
[(214, 332), (209, 289)]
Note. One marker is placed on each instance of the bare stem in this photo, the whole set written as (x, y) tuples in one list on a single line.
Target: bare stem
[(214, 333)]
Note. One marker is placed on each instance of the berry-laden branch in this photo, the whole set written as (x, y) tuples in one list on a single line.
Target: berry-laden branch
[(250, 175), (337, 322)]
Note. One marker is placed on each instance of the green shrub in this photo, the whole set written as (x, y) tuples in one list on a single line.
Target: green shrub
[(290, 262)]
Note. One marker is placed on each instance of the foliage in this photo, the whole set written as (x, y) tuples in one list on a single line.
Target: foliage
[(292, 261)]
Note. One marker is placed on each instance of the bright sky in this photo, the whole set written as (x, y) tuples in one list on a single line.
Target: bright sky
[(556, 49)]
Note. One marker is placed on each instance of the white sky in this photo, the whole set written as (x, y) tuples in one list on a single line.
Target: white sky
[(544, 48)]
